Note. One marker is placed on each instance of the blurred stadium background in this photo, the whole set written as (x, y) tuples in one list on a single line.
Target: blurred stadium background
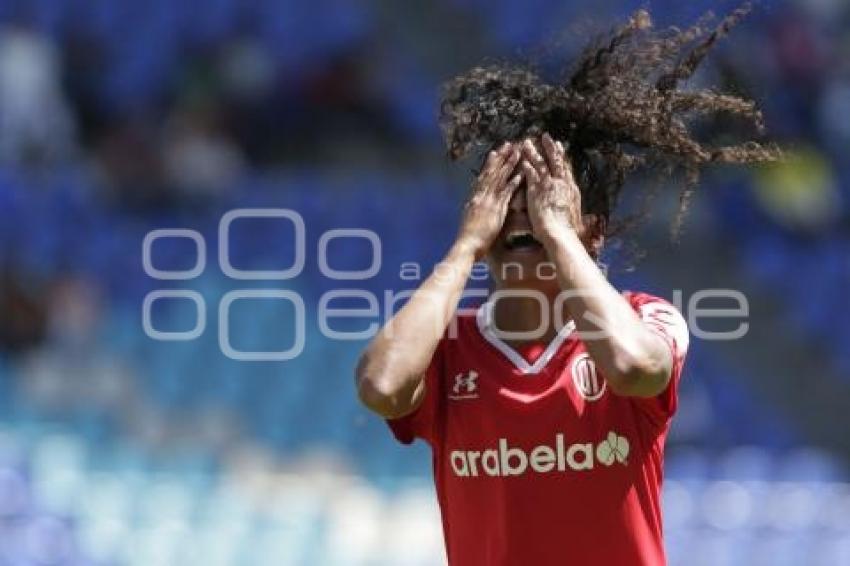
[(117, 118)]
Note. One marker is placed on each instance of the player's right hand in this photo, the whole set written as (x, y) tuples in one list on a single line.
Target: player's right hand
[(487, 206)]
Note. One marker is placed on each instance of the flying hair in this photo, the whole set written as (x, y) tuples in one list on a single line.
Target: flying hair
[(621, 110)]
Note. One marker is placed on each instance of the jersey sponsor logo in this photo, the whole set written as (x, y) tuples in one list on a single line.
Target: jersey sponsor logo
[(505, 460), (587, 380), (465, 386)]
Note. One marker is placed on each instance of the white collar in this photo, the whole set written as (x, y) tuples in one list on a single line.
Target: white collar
[(487, 327)]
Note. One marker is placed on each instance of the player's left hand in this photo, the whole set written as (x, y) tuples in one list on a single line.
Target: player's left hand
[(554, 199)]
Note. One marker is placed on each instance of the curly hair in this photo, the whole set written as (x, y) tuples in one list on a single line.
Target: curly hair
[(621, 110)]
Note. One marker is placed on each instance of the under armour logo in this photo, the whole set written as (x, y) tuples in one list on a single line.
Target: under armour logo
[(466, 385)]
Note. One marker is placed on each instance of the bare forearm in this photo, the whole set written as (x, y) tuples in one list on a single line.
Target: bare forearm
[(634, 360), (391, 370)]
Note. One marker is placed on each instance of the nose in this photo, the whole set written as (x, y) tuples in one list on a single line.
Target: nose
[(519, 202)]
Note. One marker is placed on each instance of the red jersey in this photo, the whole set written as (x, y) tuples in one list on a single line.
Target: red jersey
[(541, 463)]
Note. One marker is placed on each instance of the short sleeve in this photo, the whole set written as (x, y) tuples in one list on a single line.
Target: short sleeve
[(663, 319), (421, 422)]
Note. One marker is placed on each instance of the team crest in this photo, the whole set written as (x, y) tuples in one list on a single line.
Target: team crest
[(586, 379)]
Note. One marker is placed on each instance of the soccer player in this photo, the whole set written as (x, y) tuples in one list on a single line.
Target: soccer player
[(547, 408)]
